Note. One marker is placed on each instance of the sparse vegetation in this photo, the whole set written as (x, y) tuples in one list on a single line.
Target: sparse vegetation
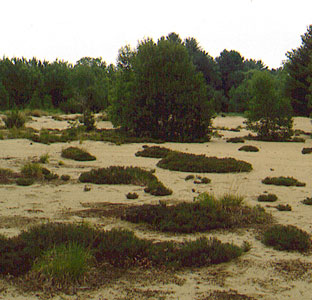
[(267, 198), (25, 181), (14, 118), (126, 175), (65, 177), (288, 238), (44, 158), (248, 148), (285, 181), (78, 154), (206, 213), (202, 180), (32, 170), (185, 162)]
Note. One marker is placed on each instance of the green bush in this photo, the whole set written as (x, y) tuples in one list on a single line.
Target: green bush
[(306, 150), (235, 140), (286, 181), (288, 238), (14, 119), (267, 198), (206, 213), (248, 148), (78, 154), (185, 162), (307, 201), (154, 152), (126, 175), (282, 207)]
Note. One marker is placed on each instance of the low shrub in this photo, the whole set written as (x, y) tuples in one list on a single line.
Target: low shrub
[(78, 154), (306, 150), (205, 213), (25, 181), (7, 176), (289, 238), (236, 140), (307, 201), (32, 170), (267, 198), (185, 162), (88, 120), (44, 158), (51, 176), (282, 207), (189, 177), (202, 180), (126, 175), (65, 177), (132, 196), (15, 119), (248, 148), (285, 181), (154, 152)]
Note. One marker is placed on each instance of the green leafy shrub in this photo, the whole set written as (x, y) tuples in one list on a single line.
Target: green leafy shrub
[(307, 201), (248, 148), (25, 181), (267, 198), (126, 175), (282, 207), (78, 154), (306, 150), (14, 119), (154, 152), (286, 181), (288, 238), (236, 140), (185, 162), (132, 196), (206, 213)]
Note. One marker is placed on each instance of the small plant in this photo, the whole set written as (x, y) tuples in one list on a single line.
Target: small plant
[(203, 180), (14, 119), (306, 150), (88, 120), (307, 201), (248, 148), (132, 196), (24, 181), (33, 170), (78, 154), (44, 158), (189, 177), (65, 177), (235, 140), (51, 176), (285, 181), (288, 238), (61, 163), (267, 198), (282, 207), (154, 152)]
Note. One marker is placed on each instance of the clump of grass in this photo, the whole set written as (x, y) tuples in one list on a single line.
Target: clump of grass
[(78, 154), (25, 181), (126, 175), (154, 152), (307, 201), (7, 176), (15, 119), (132, 196), (288, 238), (306, 150), (282, 207), (285, 181), (205, 213), (185, 162), (236, 140), (267, 198), (64, 264), (44, 158), (32, 170), (248, 148)]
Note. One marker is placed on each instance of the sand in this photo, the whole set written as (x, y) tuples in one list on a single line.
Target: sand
[(262, 273)]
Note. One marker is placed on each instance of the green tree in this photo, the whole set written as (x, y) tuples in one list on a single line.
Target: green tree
[(161, 94), (270, 114), (299, 75)]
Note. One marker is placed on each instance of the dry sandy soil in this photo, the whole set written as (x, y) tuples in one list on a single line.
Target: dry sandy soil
[(262, 273)]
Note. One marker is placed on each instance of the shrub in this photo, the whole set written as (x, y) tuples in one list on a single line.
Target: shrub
[(44, 158), (65, 177), (288, 238), (6, 176), (282, 207), (88, 120), (126, 175), (14, 119), (267, 198), (25, 181), (203, 180), (64, 264), (51, 176), (154, 152), (248, 148), (206, 213), (286, 181), (306, 150), (78, 154), (189, 177), (235, 140), (33, 170), (132, 196), (307, 201), (185, 162)]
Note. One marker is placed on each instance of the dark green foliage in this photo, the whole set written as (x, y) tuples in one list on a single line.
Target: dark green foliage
[(126, 175), (286, 181), (185, 162), (306, 150), (206, 213), (65, 177), (235, 140), (25, 181), (307, 201), (282, 207), (288, 238), (132, 196), (154, 152), (88, 120), (14, 119), (78, 154), (248, 148), (267, 198)]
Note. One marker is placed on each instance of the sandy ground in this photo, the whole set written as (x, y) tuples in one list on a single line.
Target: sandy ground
[(262, 273)]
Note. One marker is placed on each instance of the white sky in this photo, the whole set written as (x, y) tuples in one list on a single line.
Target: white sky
[(71, 29)]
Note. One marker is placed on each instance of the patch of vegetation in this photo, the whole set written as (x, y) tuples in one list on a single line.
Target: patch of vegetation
[(202, 180), (267, 198), (285, 181), (32, 170), (65, 177), (154, 152), (43, 159), (236, 140), (88, 120), (132, 196), (307, 201), (78, 154), (25, 181), (185, 162), (227, 295), (282, 207), (126, 175), (306, 150), (7, 176), (289, 238), (15, 119), (189, 177), (205, 213), (248, 148)]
